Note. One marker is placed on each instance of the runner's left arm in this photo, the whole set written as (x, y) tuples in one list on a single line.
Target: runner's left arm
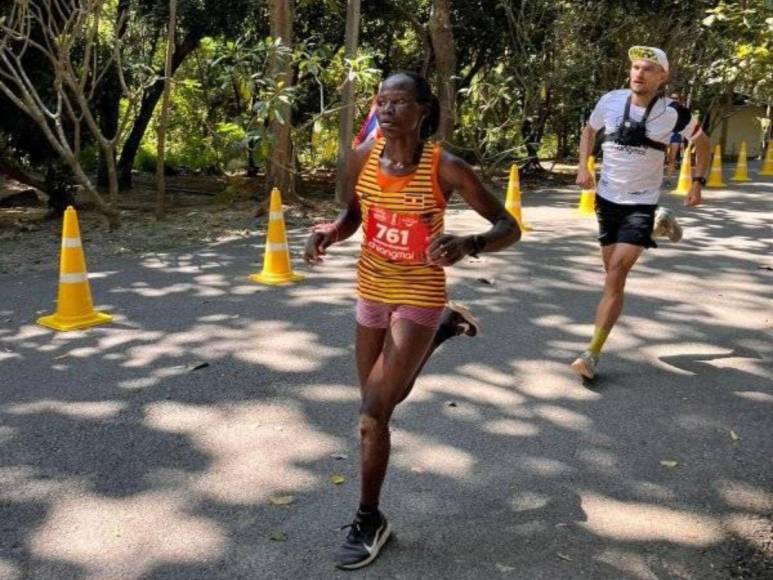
[(689, 127), (456, 175), (702, 156)]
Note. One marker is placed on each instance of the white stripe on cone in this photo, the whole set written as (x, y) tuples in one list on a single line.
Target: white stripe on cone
[(73, 278), (71, 242), (272, 247), (275, 216)]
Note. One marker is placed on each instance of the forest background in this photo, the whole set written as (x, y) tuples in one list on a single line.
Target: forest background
[(257, 88)]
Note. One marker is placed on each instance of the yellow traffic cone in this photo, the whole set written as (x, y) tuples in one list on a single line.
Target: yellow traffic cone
[(715, 175), (767, 165), (74, 308), (276, 262), (685, 174), (513, 199), (742, 167), (587, 205)]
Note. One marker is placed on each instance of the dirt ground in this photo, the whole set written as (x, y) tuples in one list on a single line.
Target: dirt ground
[(202, 209)]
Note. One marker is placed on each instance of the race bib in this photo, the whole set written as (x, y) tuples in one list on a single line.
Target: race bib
[(397, 237)]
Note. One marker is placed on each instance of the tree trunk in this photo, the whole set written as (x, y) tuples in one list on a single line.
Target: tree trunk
[(442, 34), (59, 186), (252, 167), (164, 116), (109, 110), (111, 213), (347, 111), (281, 172), (109, 104), (149, 102)]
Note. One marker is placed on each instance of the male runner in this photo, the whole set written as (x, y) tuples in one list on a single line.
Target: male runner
[(639, 123)]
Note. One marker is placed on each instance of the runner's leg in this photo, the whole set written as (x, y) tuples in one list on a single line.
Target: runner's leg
[(618, 261), (369, 342), (455, 320), (382, 351), (405, 346)]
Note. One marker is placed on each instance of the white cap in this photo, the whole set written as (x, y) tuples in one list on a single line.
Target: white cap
[(649, 53)]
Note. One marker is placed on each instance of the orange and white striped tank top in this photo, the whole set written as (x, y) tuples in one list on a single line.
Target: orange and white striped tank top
[(400, 215)]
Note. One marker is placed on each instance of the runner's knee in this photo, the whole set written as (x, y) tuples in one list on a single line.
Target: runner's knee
[(370, 425), (375, 412), (617, 272)]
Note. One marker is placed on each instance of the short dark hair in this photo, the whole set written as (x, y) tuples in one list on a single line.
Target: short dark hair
[(424, 96)]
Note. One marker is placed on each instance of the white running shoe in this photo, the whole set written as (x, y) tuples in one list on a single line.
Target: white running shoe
[(666, 225), (586, 364)]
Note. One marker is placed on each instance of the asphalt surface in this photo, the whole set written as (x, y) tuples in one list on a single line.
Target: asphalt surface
[(153, 447)]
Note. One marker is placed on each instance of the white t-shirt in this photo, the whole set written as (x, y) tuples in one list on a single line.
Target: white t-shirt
[(632, 175)]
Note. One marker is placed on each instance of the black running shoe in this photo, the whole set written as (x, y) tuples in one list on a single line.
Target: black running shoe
[(363, 543), (462, 319)]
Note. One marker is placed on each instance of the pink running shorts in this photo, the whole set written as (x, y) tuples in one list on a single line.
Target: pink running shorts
[(379, 315)]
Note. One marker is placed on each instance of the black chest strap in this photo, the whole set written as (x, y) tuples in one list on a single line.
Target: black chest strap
[(646, 142)]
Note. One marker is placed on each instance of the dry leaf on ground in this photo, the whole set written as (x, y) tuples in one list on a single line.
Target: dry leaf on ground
[(281, 499)]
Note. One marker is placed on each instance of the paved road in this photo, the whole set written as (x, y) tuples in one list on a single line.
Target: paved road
[(119, 460)]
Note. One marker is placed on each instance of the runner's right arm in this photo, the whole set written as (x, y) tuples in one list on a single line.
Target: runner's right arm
[(349, 219), (588, 138)]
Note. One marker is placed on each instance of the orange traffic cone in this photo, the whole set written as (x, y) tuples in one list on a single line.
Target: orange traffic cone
[(276, 262), (742, 167), (767, 165), (685, 174), (513, 199), (74, 308), (715, 175), (587, 205)]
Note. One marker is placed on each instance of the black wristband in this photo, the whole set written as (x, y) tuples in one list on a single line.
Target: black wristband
[(701, 180)]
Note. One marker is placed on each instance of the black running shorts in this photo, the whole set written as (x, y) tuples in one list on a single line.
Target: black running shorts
[(626, 224)]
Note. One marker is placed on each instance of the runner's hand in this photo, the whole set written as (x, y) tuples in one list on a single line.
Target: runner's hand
[(447, 250), (317, 243), (694, 195), (584, 178)]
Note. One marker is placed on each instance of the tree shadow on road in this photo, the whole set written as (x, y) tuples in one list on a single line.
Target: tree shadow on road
[(152, 448)]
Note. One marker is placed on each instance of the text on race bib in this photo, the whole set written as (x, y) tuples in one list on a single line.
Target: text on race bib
[(397, 237)]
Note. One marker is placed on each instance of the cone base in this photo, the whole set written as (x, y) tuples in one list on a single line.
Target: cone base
[(716, 185), (66, 324), (766, 173), (276, 279), (679, 192), (740, 179)]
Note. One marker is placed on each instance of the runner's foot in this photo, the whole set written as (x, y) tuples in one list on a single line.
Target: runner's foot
[(666, 225), (461, 318), (585, 364), (367, 536)]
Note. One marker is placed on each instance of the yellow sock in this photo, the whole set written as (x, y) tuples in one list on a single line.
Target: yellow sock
[(597, 342)]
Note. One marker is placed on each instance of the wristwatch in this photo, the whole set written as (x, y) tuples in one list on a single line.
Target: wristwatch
[(701, 180), (478, 243)]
